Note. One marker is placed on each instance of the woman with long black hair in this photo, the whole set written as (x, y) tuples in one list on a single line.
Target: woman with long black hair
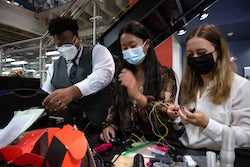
[(140, 83)]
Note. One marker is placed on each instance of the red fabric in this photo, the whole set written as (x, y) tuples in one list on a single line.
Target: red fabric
[(102, 147)]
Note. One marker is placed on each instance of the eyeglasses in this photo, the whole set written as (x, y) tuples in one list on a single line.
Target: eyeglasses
[(66, 43)]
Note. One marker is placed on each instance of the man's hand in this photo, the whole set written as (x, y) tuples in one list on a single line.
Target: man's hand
[(60, 98)]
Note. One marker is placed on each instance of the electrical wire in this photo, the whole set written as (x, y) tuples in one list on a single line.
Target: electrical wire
[(156, 118), (132, 134)]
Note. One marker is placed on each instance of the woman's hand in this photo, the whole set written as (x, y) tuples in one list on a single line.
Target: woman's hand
[(127, 79), (107, 134), (197, 118), (172, 110)]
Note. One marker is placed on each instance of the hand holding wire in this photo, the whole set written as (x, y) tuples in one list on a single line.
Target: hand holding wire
[(194, 117), (173, 110)]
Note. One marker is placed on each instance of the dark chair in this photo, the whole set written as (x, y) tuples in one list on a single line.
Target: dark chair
[(18, 99), (8, 83), (242, 158)]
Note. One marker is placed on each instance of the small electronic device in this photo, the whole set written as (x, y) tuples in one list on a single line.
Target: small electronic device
[(192, 110), (115, 140), (138, 161)]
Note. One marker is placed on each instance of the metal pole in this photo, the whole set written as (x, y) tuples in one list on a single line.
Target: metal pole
[(40, 62), (1, 53), (20, 42), (94, 22)]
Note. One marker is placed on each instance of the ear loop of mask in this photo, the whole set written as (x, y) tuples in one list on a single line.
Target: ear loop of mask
[(74, 41), (78, 47), (144, 45)]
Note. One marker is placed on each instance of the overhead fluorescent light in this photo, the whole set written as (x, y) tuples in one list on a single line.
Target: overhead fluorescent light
[(55, 57), (49, 53), (19, 62), (17, 68), (29, 53), (9, 60)]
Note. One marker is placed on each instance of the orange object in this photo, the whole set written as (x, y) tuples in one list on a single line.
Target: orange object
[(40, 147), (72, 145)]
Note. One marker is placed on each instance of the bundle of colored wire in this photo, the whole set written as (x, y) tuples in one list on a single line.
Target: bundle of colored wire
[(154, 114)]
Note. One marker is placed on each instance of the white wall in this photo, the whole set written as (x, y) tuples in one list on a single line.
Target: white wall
[(177, 62)]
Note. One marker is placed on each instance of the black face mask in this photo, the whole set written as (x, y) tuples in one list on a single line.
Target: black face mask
[(202, 64)]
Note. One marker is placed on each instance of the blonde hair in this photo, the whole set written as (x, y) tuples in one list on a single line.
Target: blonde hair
[(222, 73)]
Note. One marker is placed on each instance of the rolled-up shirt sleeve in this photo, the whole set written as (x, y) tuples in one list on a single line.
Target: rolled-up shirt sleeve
[(102, 72)]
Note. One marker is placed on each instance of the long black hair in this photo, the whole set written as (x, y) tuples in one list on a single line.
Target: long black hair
[(152, 77)]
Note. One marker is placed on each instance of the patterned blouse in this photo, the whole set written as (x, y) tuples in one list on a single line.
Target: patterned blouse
[(136, 119)]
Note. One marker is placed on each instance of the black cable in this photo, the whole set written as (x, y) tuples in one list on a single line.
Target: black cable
[(86, 126), (98, 160)]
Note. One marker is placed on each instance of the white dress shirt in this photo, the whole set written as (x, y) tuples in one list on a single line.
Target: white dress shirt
[(234, 113), (102, 72)]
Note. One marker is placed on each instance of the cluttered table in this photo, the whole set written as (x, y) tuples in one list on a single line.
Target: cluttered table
[(122, 154), (119, 153), (153, 156)]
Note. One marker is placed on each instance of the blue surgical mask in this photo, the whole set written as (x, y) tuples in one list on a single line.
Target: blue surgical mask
[(134, 56)]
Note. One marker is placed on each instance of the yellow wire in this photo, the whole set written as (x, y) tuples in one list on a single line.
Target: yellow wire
[(132, 134), (157, 116)]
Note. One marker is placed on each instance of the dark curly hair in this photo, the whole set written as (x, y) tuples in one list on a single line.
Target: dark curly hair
[(59, 25)]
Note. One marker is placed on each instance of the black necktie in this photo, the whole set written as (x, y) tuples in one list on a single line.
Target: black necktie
[(72, 72)]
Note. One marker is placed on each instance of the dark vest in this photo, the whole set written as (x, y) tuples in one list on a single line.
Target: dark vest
[(95, 105)]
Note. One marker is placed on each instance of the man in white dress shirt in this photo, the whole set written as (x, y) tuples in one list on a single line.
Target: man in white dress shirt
[(78, 82)]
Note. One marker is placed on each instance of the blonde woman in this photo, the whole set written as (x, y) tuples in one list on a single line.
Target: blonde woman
[(210, 86)]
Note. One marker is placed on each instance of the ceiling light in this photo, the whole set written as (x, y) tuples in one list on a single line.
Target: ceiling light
[(55, 57), (29, 53), (203, 15), (230, 34), (9, 59), (182, 31), (17, 68), (233, 58), (49, 53), (19, 62)]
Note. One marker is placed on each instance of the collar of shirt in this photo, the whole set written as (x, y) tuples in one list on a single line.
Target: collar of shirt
[(78, 56)]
